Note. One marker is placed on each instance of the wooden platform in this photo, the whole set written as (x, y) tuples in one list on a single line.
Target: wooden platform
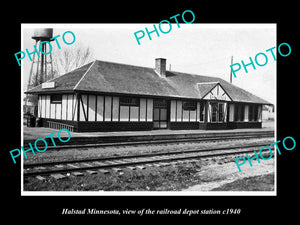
[(33, 133)]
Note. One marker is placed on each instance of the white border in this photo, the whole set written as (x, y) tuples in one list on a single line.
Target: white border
[(144, 193)]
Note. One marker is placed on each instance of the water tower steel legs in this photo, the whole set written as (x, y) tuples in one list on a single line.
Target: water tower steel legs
[(39, 73)]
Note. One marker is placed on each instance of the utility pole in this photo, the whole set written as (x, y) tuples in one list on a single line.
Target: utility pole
[(231, 70)]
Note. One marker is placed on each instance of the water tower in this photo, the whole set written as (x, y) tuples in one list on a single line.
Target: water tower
[(41, 68)]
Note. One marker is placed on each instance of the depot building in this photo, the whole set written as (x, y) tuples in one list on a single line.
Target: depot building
[(107, 96)]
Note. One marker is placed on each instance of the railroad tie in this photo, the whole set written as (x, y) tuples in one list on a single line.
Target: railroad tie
[(77, 174), (126, 160), (147, 159), (174, 163), (117, 169), (131, 167), (110, 162), (156, 165), (57, 176), (119, 161), (103, 171), (158, 157), (59, 166), (189, 161), (91, 172), (41, 168), (100, 163), (132, 160), (40, 178), (86, 164), (149, 165), (194, 160), (141, 167), (164, 164), (73, 166)]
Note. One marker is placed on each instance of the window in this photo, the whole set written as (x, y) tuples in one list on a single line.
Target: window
[(242, 112), (239, 112), (236, 112), (221, 112), (255, 113), (214, 111), (217, 112), (202, 110), (251, 108), (56, 99), (190, 105), (129, 101)]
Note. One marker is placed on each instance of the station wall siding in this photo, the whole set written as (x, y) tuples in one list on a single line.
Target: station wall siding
[(94, 108), (91, 112)]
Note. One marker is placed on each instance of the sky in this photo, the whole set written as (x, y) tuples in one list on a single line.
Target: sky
[(203, 49)]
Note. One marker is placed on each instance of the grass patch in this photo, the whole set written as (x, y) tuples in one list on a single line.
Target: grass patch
[(170, 178)]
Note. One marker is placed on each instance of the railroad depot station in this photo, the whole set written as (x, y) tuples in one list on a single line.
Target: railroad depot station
[(107, 96)]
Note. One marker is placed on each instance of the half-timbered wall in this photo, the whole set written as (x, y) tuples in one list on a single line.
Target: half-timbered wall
[(183, 114), (66, 109), (98, 108), (241, 112), (179, 114), (95, 108), (217, 93)]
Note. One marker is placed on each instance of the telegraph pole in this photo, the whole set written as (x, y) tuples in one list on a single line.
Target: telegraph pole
[(231, 70)]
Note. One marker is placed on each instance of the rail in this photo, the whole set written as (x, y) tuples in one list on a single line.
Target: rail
[(133, 160)]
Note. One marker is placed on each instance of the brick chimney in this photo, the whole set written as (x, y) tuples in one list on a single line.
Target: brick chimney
[(160, 67)]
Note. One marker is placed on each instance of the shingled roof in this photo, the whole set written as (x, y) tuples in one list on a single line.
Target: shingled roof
[(116, 78)]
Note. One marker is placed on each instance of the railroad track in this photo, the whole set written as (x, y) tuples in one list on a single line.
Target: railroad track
[(141, 161), (161, 140)]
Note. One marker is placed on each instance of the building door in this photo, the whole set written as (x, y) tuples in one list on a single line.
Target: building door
[(160, 113)]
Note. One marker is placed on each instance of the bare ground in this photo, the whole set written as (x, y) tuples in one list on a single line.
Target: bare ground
[(215, 176)]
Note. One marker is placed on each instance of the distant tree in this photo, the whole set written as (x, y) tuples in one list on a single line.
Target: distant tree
[(68, 59), (64, 60)]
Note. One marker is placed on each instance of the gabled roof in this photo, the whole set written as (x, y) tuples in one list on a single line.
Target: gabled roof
[(213, 90), (109, 77), (204, 88)]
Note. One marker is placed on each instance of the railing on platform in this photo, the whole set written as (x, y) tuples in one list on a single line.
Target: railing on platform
[(56, 125)]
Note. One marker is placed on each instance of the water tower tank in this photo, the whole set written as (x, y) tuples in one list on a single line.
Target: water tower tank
[(42, 34), (41, 67)]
